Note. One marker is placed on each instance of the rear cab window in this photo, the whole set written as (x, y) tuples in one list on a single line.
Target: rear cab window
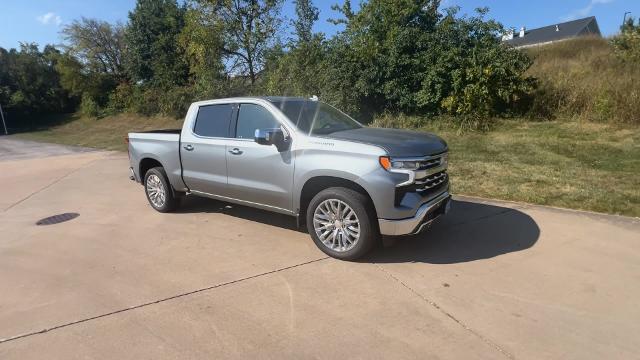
[(213, 120)]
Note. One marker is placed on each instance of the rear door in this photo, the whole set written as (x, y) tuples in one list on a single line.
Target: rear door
[(259, 174), (203, 149)]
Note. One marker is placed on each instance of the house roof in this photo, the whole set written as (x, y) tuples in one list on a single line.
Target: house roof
[(555, 32)]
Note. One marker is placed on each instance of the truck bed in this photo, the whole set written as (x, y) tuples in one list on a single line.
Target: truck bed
[(162, 146), (160, 131)]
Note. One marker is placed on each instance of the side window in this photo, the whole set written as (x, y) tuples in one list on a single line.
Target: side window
[(252, 117), (213, 120)]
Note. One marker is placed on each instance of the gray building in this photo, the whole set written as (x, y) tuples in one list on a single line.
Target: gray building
[(552, 33)]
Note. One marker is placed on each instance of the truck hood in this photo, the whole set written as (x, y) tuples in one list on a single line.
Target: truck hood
[(397, 143)]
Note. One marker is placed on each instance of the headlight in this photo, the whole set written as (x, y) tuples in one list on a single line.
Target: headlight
[(409, 165), (387, 164)]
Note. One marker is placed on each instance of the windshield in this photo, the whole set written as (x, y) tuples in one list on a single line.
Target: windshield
[(316, 118)]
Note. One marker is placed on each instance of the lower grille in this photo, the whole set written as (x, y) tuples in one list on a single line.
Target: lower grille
[(426, 187), (430, 181)]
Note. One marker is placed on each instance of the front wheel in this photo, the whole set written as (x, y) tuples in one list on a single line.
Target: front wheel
[(342, 224), (158, 190)]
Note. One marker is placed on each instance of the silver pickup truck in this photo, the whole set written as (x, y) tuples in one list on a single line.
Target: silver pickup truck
[(349, 183)]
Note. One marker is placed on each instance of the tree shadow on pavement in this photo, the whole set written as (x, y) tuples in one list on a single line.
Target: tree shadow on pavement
[(470, 231)]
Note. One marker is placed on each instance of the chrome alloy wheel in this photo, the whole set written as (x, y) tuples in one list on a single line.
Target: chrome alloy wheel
[(336, 225), (156, 191)]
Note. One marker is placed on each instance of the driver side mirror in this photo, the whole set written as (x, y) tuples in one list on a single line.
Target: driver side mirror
[(277, 137), (269, 136)]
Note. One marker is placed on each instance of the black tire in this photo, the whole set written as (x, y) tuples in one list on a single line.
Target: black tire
[(171, 202), (369, 233)]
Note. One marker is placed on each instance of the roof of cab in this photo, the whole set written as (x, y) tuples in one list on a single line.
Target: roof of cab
[(268, 98)]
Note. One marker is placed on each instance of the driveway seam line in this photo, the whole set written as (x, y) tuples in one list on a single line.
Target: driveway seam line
[(449, 315), (49, 185), (173, 297)]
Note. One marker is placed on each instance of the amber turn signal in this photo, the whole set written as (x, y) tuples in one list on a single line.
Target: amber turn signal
[(385, 162)]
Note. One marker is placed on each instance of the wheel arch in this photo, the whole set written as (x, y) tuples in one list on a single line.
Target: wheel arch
[(147, 163), (316, 184)]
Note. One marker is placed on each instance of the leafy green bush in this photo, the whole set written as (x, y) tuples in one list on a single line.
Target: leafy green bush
[(406, 57), (175, 102), (459, 123), (472, 73), (399, 121), (627, 45), (89, 107), (121, 99), (145, 101)]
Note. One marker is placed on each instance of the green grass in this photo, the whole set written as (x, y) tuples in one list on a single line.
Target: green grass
[(575, 165), (579, 165), (105, 133)]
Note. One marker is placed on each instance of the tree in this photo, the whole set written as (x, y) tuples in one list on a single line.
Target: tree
[(82, 83), (29, 84), (407, 56), (5, 77), (471, 71), (98, 44), (375, 61), (249, 29), (629, 25), (306, 16), (627, 44), (153, 54), (202, 45), (299, 70)]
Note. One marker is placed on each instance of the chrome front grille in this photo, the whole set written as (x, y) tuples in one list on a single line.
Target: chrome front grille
[(431, 163), (431, 166), (428, 179), (431, 181)]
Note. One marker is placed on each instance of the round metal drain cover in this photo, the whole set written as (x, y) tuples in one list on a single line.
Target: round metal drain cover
[(56, 219)]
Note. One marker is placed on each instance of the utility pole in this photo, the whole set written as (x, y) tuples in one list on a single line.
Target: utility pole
[(3, 122), (624, 20)]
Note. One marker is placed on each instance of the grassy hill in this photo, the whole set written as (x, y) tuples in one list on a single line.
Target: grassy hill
[(583, 79)]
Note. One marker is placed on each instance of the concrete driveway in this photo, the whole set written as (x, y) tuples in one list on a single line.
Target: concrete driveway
[(121, 281)]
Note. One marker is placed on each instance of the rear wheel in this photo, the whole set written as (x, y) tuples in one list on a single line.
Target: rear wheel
[(341, 223), (159, 191)]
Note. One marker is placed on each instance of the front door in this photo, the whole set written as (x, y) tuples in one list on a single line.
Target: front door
[(203, 149), (260, 174)]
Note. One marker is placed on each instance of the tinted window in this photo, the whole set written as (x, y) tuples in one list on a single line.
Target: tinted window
[(213, 120), (252, 117), (292, 109), (316, 118)]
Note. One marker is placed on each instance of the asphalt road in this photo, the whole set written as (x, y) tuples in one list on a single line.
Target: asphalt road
[(121, 281)]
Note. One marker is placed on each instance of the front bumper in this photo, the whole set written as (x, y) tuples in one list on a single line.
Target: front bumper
[(425, 215)]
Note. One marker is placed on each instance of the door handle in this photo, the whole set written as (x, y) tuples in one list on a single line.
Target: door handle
[(235, 151), (189, 147)]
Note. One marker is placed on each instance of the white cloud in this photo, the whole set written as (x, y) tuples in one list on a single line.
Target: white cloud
[(50, 18), (585, 11)]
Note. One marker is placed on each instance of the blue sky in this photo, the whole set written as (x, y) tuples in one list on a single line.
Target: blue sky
[(41, 20)]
